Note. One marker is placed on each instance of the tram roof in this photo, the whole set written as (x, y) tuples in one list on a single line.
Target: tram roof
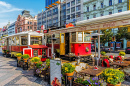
[(26, 33), (104, 19)]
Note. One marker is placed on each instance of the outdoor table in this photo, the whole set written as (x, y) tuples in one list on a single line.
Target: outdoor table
[(127, 62), (120, 64), (127, 59), (92, 71)]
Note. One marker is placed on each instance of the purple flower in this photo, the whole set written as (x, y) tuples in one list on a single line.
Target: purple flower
[(89, 81), (96, 83)]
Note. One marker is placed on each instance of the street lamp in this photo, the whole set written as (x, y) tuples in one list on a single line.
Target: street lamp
[(95, 36), (53, 39)]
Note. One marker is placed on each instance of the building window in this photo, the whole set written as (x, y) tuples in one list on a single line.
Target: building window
[(28, 27), (68, 4), (119, 1), (101, 4), (87, 17), (101, 14), (87, 9), (73, 9), (94, 7), (63, 7), (68, 11), (30, 22), (119, 11), (78, 14), (73, 15), (110, 13), (110, 2), (94, 16), (77, 1), (72, 3), (68, 17), (77, 8)]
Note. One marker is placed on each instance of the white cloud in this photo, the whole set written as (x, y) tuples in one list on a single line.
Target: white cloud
[(5, 7)]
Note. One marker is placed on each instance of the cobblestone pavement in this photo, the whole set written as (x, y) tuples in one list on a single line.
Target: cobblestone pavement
[(10, 75)]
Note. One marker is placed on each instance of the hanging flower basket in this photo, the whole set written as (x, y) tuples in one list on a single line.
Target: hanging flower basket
[(18, 58), (25, 60)]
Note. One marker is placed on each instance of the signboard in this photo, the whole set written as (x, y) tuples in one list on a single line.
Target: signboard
[(27, 51), (118, 44), (69, 25), (42, 27), (55, 72), (45, 31)]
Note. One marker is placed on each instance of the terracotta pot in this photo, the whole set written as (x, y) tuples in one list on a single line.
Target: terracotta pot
[(18, 58), (114, 85), (69, 74), (35, 62), (25, 60)]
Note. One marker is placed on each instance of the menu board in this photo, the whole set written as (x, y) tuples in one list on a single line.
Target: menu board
[(55, 72)]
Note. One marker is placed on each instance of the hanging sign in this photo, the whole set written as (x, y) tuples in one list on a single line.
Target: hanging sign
[(55, 72)]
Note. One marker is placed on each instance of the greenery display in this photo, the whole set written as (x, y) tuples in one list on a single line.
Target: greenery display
[(113, 76), (121, 53), (35, 59), (25, 56), (19, 55), (47, 62), (68, 68), (39, 65), (92, 81), (7, 50), (4, 50), (103, 53)]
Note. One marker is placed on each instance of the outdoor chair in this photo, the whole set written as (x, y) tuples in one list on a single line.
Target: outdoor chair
[(83, 65), (77, 71)]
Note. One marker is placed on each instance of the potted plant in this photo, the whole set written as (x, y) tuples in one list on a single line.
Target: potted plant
[(103, 53), (122, 54), (35, 60), (47, 62), (18, 55), (25, 57), (68, 69), (4, 51), (113, 77), (7, 51)]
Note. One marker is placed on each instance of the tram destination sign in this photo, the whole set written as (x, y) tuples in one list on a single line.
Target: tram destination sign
[(108, 25)]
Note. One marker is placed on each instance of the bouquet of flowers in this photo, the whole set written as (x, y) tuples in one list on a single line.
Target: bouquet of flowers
[(68, 68)]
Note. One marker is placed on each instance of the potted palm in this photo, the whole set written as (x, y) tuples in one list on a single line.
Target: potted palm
[(18, 55), (35, 60), (122, 54), (68, 69), (7, 51), (113, 77), (25, 57)]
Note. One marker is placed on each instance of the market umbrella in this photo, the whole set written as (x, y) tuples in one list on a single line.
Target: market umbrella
[(95, 36)]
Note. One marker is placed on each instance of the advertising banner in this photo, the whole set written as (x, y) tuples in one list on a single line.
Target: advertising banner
[(55, 72)]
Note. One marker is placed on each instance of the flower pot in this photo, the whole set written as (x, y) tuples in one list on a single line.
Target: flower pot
[(69, 74), (18, 58), (114, 85), (25, 60), (35, 62)]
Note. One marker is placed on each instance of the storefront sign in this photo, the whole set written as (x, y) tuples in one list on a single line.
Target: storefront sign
[(118, 44), (55, 72), (42, 27), (69, 25), (45, 31)]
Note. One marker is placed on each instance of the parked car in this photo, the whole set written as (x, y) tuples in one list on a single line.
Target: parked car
[(127, 50), (93, 48), (105, 48)]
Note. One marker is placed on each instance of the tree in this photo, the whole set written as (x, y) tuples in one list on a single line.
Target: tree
[(107, 37), (122, 33)]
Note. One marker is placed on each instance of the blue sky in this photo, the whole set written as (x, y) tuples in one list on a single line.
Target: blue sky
[(10, 9)]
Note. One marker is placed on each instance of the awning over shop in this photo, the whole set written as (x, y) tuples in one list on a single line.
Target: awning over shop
[(38, 46)]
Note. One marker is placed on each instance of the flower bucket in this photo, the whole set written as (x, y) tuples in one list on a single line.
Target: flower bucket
[(25, 60), (69, 74), (35, 62), (114, 85), (18, 58)]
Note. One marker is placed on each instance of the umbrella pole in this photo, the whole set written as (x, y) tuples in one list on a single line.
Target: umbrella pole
[(98, 47)]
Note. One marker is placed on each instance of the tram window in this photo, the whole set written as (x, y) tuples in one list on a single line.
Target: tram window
[(24, 40), (73, 36), (5, 42), (17, 40), (9, 41), (58, 38), (48, 39), (86, 37), (80, 37), (36, 40), (13, 41)]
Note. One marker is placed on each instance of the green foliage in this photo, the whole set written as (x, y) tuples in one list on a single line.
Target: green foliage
[(19, 55), (103, 52), (4, 50), (67, 68), (79, 80), (122, 33), (7, 50), (113, 76), (121, 53), (47, 62), (39, 65), (107, 37), (25, 56), (35, 59)]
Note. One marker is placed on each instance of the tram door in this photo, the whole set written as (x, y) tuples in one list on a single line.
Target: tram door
[(62, 43), (66, 43), (7, 43)]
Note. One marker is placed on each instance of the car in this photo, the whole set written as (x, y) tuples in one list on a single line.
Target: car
[(127, 50), (105, 48), (93, 48)]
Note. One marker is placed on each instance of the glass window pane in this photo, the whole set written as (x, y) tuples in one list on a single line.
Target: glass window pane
[(36, 40), (80, 37), (73, 37), (86, 37), (17, 40), (24, 40), (13, 41), (58, 38)]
